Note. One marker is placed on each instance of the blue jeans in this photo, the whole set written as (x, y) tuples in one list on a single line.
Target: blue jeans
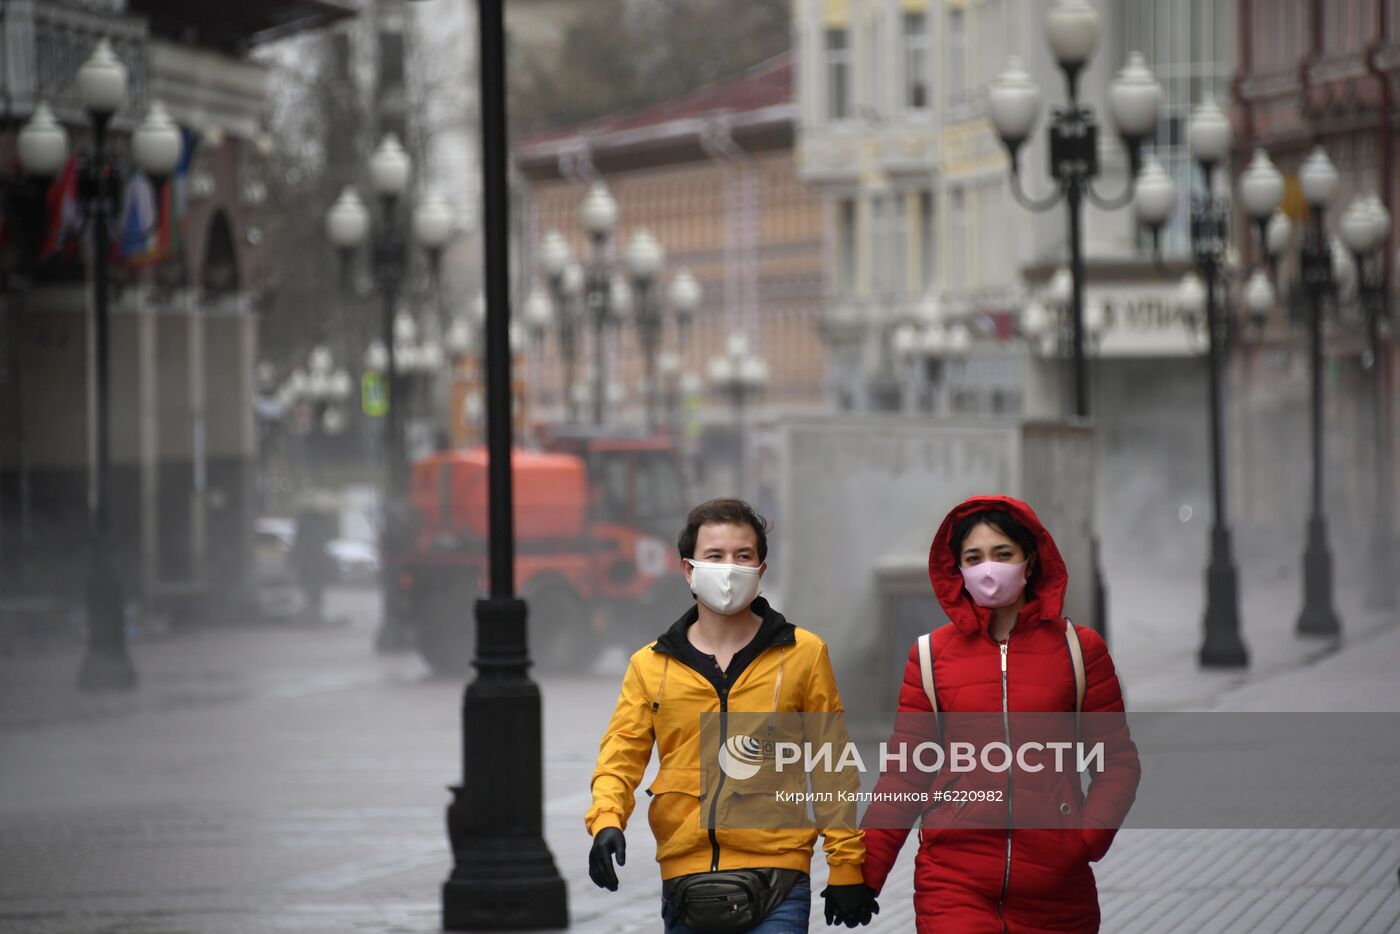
[(790, 917)]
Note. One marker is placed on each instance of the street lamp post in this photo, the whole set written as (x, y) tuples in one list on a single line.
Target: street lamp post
[(503, 875), (1209, 132), (155, 148), (1319, 181), (599, 215), (565, 280), (1134, 99), (644, 258), (1365, 229), (740, 375), (347, 224)]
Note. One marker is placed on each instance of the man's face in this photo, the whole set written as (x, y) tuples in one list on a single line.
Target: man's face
[(726, 543)]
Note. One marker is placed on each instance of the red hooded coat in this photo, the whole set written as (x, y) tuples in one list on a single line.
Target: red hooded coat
[(970, 881)]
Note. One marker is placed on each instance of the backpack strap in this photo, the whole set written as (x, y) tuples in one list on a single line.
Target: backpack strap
[(1076, 660), (926, 669)]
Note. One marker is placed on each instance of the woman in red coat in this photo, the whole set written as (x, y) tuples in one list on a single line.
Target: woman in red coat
[(1001, 580)]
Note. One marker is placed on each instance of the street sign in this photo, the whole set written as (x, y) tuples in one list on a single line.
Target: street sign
[(374, 395)]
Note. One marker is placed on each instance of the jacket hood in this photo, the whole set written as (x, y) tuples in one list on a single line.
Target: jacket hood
[(1046, 588)]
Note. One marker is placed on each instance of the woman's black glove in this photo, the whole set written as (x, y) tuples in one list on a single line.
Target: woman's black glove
[(608, 843), (850, 905)]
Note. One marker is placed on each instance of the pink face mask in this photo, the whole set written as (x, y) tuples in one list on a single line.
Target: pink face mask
[(995, 583)]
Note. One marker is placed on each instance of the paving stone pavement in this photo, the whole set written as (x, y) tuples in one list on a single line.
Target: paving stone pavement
[(286, 779)]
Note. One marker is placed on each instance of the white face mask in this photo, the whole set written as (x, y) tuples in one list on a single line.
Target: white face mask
[(725, 588)]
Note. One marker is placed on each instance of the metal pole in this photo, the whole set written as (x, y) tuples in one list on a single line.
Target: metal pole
[(393, 635), (503, 875), (1222, 647), (598, 305), (647, 329), (1380, 591), (1074, 197), (568, 348), (1318, 616), (105, 665)]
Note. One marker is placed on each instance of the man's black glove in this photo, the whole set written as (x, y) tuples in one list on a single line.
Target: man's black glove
[(608, 843), (850, 905)]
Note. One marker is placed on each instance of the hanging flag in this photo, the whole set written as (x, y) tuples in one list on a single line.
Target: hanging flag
[(170, 240), (138, 243), (64, 215)]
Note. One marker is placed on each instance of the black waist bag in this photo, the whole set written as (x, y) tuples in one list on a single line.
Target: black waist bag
[(729, 901)]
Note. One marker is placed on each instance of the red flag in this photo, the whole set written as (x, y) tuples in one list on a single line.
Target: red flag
[(64, 215)]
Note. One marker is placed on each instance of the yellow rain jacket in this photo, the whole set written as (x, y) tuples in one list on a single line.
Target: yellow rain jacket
[(660, 704)]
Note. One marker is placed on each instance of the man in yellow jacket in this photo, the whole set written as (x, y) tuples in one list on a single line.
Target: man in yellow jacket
[(731, 652)]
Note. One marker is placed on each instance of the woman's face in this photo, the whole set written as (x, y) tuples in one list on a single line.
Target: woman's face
[(985, 543)]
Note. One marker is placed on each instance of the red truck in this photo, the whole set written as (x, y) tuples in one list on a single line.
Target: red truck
[(597, 514)]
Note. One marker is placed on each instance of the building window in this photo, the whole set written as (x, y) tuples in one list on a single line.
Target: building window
[(915, 61), (957, 240), (928, 255), (957, 56), (846, 245), (838, 75)]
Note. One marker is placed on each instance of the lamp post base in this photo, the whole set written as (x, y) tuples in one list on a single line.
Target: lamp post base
[(106, 666), (1223, 647), (503, 876), (506, 884), (1319, 617)]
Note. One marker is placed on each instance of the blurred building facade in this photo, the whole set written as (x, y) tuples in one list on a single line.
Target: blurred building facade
[(712, 176), (1316, 72), (184, 328)]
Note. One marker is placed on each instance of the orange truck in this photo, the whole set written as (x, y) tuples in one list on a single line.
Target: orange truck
[(597, 515)]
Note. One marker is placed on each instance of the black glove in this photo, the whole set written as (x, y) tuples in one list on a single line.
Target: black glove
[(608, 843), (850, 905)]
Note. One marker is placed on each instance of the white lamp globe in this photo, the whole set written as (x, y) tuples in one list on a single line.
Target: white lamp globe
[(376, 356), (1154, 197), (1380, 218), (156, 144), (620, 298), (1261, 186), (1014, 102), (571, 281), (389, 168), (320, 359), (1135, 99), (554, 255), (721, 371), (1259, 294), (43, 143), (753, 372), (102, 81), (599, 210), (539, 313), (737, 345), (1073, 32), (432, 221), (1035, 320), (347, 222), (405, 328), (1278, 233), (685, 293), (1319, 178), (1209, 132), (1061, 288), (1356, 227), (644, 256), (1191, 295), (905, 341)]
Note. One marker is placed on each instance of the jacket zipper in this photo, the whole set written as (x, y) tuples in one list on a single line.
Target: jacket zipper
[(714, 802), (1006, 727)]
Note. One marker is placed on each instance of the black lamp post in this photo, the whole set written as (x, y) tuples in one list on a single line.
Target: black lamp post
[(503, 875), (1209, 132), (599, 214), (1134, 99), (565, 280), (644, 258), (740, 375), (347, 224), (43, 150), (1319, 180), (1365, 229)]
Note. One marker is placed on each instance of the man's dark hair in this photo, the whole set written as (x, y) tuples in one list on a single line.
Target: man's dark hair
[(726, 510), (1001, 521)]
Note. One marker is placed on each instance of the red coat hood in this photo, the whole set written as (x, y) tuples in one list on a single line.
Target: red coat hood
[(1047, 586)]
